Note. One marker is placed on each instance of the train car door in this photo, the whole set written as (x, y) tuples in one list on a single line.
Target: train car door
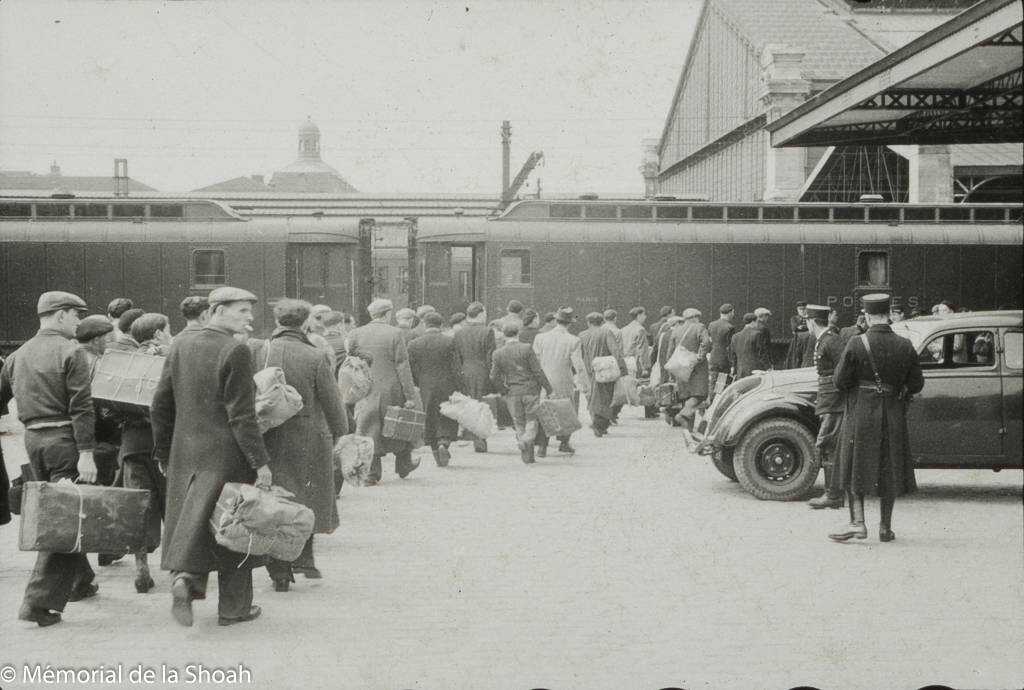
[(321, 274), (448, 275)]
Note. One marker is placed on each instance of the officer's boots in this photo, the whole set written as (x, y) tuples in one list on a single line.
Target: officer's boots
[(856, 529)]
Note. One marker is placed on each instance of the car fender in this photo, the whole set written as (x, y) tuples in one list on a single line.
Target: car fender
[(746, 413)]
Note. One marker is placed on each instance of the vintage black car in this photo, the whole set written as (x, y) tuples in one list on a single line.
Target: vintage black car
[(760, 430)]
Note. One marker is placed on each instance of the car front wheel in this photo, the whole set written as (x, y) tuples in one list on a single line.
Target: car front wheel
[(775, 460)]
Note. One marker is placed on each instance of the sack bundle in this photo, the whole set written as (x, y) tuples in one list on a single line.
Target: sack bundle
[(276, 401), (681, 363), (473, 415), (353, 455), (626, 391), (606, 369), (645, 394), (258, 522), (355, 380)]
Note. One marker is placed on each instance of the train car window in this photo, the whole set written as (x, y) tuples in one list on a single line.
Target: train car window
[(53, 210), (883, 214), (954, 214), (813, 213), (515, 267), (743, 213), (90, 210), (919, 215), (15, 210), (873, 268), (848, 213), (637, 212), (208, 268), (707, 213), (989, 215), (166, 211), (1012, 355), (129, 211), (599, 211), (778, 213), (672, 212), (403, 278), (566, 210)]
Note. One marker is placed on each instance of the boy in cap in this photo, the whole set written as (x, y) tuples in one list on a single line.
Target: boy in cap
[(516, 370), (49, 377)]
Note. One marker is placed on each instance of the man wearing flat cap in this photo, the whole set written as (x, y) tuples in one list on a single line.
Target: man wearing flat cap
[(561, 358), (827, 348), (878, 372), (516, 372), (49, 377), (386, 349), (598, 341), (475, 344), (720, 331), (205, 435), (691, 334)]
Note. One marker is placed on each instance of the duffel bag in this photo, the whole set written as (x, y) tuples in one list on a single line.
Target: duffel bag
[(681, 363), (606, 369), (645, 394), (260, 522), (354, 380), (558, 416), (353, 455), (473, 415)]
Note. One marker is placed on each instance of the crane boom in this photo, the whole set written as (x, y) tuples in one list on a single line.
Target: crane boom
[(520, 179)]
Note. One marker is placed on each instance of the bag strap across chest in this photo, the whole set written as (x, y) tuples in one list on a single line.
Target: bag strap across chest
[(879, 386)]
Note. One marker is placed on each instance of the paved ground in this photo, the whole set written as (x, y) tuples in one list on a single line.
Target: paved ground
[(630, 565)]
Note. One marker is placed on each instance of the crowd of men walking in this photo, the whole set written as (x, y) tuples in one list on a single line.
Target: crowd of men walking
[(202, 430)]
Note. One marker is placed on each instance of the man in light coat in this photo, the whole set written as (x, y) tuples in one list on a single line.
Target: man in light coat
[(392, 385), (561, 357)]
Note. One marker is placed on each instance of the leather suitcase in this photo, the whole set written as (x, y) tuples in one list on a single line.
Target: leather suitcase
[(64, 517), (127, 380), (404, 424), (558, 416)]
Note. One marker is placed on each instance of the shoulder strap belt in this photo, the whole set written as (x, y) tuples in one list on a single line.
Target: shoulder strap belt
[(879, 386)]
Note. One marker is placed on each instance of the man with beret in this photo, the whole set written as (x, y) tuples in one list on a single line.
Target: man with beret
[(878, 372), (300, 448), (385, 347), (516, 371), (205, 435), (195, 310), (474, 342), (720, 331), (598, 341), (49, 377), (561, 357), (117, 307), (92, 335), (434, 362), (827, 349)]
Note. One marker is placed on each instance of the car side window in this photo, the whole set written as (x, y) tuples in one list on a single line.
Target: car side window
[(1012, 350), (959, 350)]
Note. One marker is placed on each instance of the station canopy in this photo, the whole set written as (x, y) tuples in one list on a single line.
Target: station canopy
[(958, 83)]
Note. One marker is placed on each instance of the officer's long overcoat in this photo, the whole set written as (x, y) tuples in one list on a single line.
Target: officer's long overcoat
[(300, 449), (874, 450), (204, 424)]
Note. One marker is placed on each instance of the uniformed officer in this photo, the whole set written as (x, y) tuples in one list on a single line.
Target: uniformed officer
[(878, 372), (827, 348), (49, 377)]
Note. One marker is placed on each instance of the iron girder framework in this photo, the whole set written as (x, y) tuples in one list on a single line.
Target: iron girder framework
[(853, 171)]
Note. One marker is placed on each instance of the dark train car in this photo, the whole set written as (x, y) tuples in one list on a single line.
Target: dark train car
[(594, 255), (157, 252)]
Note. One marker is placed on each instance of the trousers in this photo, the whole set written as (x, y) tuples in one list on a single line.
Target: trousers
[(234, 589), (282, 570), (53, 455), (523, 409), (828, 437)]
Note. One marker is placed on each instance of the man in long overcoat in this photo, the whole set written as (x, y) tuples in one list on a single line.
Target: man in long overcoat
[(392, 385), (691, 392), (300, 448), (560, 357), (878, 378), (205, 435), (598, 341), (826, 350), (474, 342), (435, 365)]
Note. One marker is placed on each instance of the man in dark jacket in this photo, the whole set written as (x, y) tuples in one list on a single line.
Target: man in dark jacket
[(516, 370), (474, 342), (598, 341), (435, 365), (205, 435), (749, 350), (878, 372), (721, 331), (195, 310), (300, 448), (856, 329), (49, 377), (826, 349)]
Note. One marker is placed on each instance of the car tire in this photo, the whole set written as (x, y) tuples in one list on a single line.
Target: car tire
[(722, 460), (775, 460)]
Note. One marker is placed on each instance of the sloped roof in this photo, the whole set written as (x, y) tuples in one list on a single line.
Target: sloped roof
[(245, 183), (73, 183)]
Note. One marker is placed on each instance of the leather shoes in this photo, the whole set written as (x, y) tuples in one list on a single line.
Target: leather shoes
[(564, 447), (851, 531), (886, 534), (281, 584), (310, 572), (254, 613), (442, 456), (105, 559), (84, 591), (479, 446), (181, 602), (144, 583), (825, 501), (40, 616)]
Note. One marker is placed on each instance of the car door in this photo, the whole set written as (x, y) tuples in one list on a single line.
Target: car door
[(1011, 352), (957, 419)]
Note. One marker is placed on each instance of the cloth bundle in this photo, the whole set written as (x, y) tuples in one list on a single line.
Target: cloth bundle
[(681, 363), (473, 415), (276, 401), (558, 416), (64, 517), (353, 455), (354, 380), (645, 394), (258, 522), (626, 391), (404, 424), (606, 369)]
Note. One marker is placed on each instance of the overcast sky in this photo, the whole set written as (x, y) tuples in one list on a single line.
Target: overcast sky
[(409, 97)]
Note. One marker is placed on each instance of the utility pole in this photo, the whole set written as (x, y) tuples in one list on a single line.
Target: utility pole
[(506, 142)]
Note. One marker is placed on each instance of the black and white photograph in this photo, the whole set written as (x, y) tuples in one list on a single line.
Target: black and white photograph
[(512, 344)]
